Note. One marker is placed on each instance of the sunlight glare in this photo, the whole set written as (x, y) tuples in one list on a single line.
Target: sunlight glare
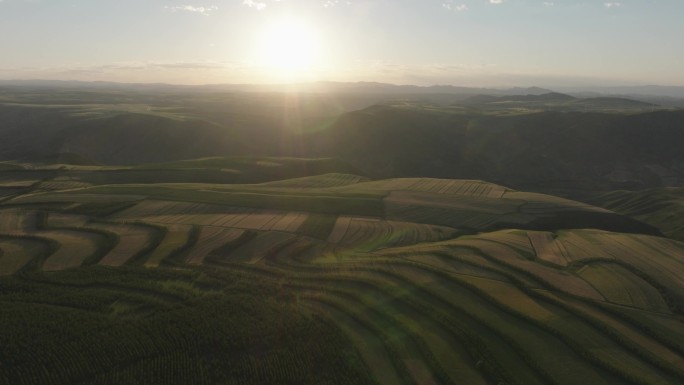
[(289, 46)]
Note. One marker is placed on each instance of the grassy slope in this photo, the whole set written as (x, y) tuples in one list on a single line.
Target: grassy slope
[(662, 208), (480, 309), (458, 204)]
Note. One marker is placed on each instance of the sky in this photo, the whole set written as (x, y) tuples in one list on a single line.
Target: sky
[(493, 43)]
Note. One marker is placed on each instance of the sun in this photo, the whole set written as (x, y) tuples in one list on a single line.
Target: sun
[(289, 46)]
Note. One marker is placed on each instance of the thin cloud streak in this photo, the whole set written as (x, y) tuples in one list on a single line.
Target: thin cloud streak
[(259, 6), (451, 6), (206, 11)]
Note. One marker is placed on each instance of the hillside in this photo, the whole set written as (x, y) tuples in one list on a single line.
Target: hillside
[(555, 101), (535, 142), (661, 208), (406, 280), (205, 237), (531, 150)]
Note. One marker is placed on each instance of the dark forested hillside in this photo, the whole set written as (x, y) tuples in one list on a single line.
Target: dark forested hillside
[(536, 150), (525, 144)]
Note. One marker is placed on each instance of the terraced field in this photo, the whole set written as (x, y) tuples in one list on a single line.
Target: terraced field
[(367, 234), (16, 253), (211, 238), (62, 185), (176, 238), (75, 248), (18, 221), (455, 283), (132, 240), (167, 212)]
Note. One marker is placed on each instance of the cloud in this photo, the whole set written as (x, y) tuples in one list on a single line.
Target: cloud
[(454, 7), (259, 6), (614, 4), (496, 1), (332, 3), (549, 3), (206, 11)]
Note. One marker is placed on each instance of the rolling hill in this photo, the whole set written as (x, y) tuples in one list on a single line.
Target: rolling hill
[(204, 235), (538, 142), (405, 280)]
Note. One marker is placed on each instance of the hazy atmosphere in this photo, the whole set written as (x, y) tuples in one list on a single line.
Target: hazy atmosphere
[(341, 192), (464, 42)]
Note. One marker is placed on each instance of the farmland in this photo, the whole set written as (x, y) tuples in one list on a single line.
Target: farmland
[(334, 279)]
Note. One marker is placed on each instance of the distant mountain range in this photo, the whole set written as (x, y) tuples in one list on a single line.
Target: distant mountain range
[(370, 87), (336, 87), (542, 141)]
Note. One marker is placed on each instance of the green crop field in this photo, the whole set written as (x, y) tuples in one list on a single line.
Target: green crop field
[(332, 279)]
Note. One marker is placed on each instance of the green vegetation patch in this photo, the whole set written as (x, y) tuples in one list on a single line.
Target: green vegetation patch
[(131, 326), (293, 201)]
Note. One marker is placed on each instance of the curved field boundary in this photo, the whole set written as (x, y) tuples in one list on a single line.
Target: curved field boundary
[(366, 234), (671, 248), (507, 293), (401, 343), (18, 183), (132, 240), (464, 203), (609, 330), (470, 212), (555, 352), (547, 248), (340, 229), (272, 221), (8, 192), (455, 266), (62, 185), (536, 203), (69, 196), (608, 358), (362, 231), (662, 268), (655, 348), (560, 280), (318, 181), (18, 221), (428, 333), (546, 354), (211, 238), (579, 245), (417, 278), (371, 348), (66, 220), (585, 356), (175, 239), (290, 223), (151, 207), (168, 212), (407, 233), (620, 286), (16, 253), (261, 246), (75, 248), (463, 187), (516, 239)]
